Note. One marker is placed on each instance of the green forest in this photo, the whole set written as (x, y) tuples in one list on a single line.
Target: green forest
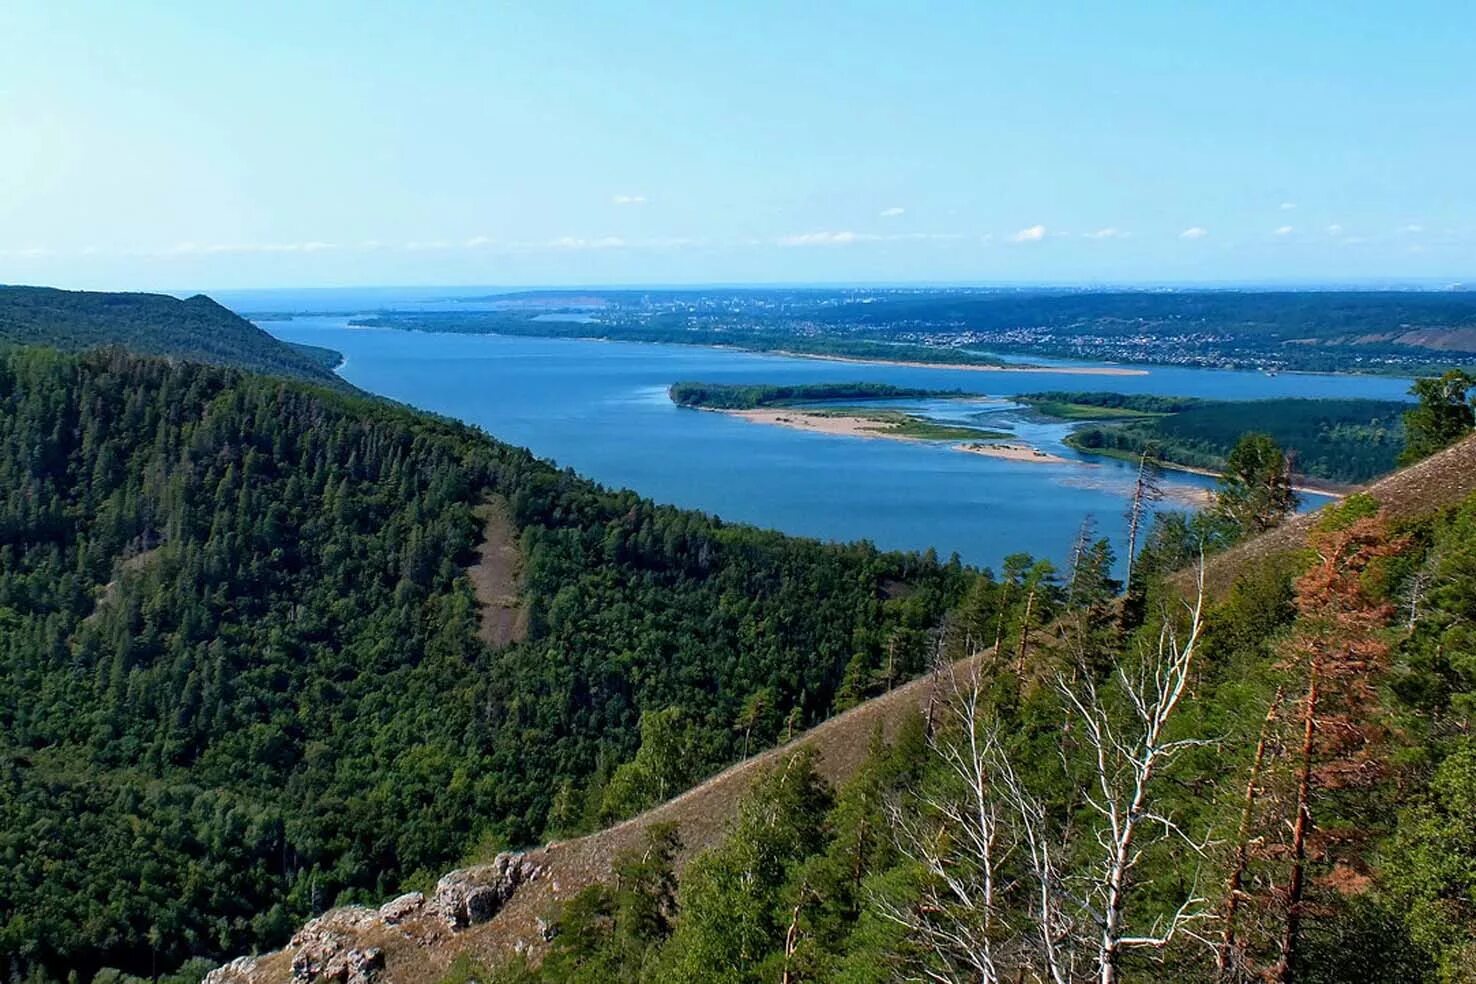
[(197, 329), (1345, 441), (241, 678)]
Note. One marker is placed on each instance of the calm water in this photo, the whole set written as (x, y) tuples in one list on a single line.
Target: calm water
[(601, 408)]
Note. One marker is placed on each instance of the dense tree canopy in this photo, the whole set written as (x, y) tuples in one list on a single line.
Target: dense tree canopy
[(1443, 416), (197, 329), (240, 672)]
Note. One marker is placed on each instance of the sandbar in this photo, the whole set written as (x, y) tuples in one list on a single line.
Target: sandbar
[(1012, 452)]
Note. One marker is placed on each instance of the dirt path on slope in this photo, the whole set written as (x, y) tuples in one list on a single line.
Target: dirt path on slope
[(497, 577)]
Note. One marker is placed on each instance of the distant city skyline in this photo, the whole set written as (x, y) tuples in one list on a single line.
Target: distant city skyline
[(166, 145)]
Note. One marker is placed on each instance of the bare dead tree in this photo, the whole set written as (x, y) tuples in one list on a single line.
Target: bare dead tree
[(1126, 760), (997, 897), (1146, 491), (956, 840)]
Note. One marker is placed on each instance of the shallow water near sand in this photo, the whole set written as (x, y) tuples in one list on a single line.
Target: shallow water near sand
[(601, 408)]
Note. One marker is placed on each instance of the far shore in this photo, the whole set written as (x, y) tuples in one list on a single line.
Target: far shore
[(969, 366)]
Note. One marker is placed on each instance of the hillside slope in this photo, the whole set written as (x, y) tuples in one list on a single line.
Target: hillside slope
[(416, 943), (197, 329), (242, 673)]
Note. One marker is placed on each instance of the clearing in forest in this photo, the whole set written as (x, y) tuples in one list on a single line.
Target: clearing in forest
[(497, 576)]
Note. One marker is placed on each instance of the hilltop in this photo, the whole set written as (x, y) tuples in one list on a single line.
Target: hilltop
[(197, 329)]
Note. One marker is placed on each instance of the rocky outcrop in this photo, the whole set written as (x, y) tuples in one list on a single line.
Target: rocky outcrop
[(238, 971), (327, 948), (397, 910), (474, 895)]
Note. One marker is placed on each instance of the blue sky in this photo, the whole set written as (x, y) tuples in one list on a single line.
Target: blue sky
[(180, 144)]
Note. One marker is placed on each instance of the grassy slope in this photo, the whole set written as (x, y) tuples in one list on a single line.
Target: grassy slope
[(197, 330), (418, 951)]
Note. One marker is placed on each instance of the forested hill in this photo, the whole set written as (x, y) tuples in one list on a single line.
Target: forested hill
[(241, 677), (197, 329)]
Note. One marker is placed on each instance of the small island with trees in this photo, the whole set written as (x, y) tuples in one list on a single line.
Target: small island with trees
[(830, 408)]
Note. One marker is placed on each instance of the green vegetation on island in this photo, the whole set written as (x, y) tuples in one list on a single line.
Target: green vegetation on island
[(197, 329), (740, 396), (1106, 405)]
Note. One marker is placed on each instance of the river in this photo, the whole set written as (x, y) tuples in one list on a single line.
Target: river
[(601, 408)]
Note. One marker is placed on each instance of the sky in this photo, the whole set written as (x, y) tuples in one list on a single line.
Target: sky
[(173, 145)]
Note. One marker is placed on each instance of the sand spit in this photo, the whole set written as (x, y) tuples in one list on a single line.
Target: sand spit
[(1014, 452)]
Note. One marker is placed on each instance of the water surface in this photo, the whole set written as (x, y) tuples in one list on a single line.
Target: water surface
[(601, 408)]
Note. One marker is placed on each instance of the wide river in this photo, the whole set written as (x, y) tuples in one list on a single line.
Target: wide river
[(601, 408)]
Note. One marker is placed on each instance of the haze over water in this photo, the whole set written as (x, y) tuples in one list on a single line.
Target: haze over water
[(601, 408)]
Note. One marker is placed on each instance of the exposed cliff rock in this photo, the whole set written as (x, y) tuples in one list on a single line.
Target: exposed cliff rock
[(474, 895)]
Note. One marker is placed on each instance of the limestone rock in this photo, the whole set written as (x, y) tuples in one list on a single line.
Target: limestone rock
[(397, 910), (238, 971), (325, 949), (474, 895)]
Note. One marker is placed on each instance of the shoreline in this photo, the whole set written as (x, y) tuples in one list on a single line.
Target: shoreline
[(967, 366), (1329, 490)]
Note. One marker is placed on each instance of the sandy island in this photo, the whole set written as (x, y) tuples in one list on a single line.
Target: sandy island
[(1014, 452), (970, 366), (844, 425), (860, 425)]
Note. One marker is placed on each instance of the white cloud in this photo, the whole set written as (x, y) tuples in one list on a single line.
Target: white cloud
[(1334, 230), (476, 241), (628, 200), (1033, 234), (26, 252), (416, 246), (577, 242), (891, 213), (211, 249), (1194, 232), (370, 244), (1413, 229), (843, 238), (1285, 231), (1110, 232), (1288, 206)]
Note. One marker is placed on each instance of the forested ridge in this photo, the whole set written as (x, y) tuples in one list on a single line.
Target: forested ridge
[(240, 677), (197, 329)]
